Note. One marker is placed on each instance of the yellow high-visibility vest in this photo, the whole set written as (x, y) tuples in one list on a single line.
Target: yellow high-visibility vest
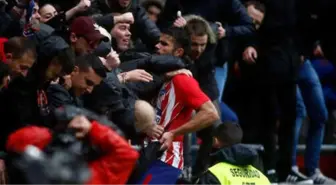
[(228, 174)]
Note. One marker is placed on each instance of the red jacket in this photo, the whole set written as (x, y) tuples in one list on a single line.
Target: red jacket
[(114, 167), (2, 51)]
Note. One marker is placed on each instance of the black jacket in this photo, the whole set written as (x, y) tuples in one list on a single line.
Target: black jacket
[(238, 155), (203, 71), (59, 96), (276, 42), (143, 28), (157, 65), (20, 105), (117, 100)]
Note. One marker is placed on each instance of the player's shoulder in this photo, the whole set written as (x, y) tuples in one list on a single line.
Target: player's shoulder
[(182, 78)]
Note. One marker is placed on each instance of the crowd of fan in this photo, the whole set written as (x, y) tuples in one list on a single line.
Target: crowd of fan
[(158, 71)]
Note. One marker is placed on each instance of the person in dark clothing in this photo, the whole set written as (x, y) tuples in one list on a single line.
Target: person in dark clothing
[(232, 162), (154, 9), (230, 13), (277, 61), (203, 46), (14, 24), (25, 101), (143, 28), (60, 19), (88, 73)]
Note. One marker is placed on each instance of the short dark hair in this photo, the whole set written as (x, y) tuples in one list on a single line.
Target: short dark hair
[(258, 5), (84, 62), (197, 27), (229, 133), (149, 3), (181, 38), (18, 46), (66, 57)]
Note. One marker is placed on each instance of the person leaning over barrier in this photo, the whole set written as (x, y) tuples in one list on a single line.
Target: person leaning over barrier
[(232, 161)]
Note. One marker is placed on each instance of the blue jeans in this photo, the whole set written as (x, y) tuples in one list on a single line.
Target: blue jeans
[(226, 113), (221, 76), (310, 100)]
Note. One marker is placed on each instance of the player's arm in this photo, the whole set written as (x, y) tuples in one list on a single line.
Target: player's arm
[(196, 99)]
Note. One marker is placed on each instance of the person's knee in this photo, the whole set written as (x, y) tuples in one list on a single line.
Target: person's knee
[(320, 116), (144, 115)]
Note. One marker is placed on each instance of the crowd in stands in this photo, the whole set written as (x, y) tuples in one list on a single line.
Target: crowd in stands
[(227, 72)]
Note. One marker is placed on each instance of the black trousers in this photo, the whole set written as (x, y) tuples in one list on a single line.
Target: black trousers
[(278, 101), (278, 67)]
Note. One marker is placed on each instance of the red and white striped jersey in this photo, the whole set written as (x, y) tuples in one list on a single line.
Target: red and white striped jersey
[(176, 101)]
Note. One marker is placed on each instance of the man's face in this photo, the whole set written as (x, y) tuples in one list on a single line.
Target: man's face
[(124, 3), (47, 12), (54, 70), (256, 15), (198, 45), (165, 45), (36, 17), (21, 66), (81, 45), (153, 13), (84, 81), (121, 33)]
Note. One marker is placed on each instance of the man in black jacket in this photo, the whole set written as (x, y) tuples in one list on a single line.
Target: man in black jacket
[(88, 73), (24, 102), (275, 54)]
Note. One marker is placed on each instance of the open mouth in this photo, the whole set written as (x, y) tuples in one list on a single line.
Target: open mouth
[(125, 41)]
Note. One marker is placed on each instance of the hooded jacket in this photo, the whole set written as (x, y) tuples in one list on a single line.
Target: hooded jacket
[(21, 104), (237, 155), (203, 69), (113, 166)]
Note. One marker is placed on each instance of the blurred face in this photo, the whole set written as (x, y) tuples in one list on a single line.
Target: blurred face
[(20, 66), (84, 81), (121, 33), (198, 45), (47, 12), (256, 15), (166, 46), (54, 70), (153, 13), (36, 17), (124, 3), (81, 45)]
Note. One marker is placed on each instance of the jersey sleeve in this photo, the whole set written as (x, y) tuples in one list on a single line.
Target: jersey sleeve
[(189, 91)]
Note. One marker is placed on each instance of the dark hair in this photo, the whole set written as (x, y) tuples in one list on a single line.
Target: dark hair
[(84, 62), (149, 3), (4, 71), (181, 38), (66, 57), (229, 133), (197, 27), (258, 5), (18, 46)]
